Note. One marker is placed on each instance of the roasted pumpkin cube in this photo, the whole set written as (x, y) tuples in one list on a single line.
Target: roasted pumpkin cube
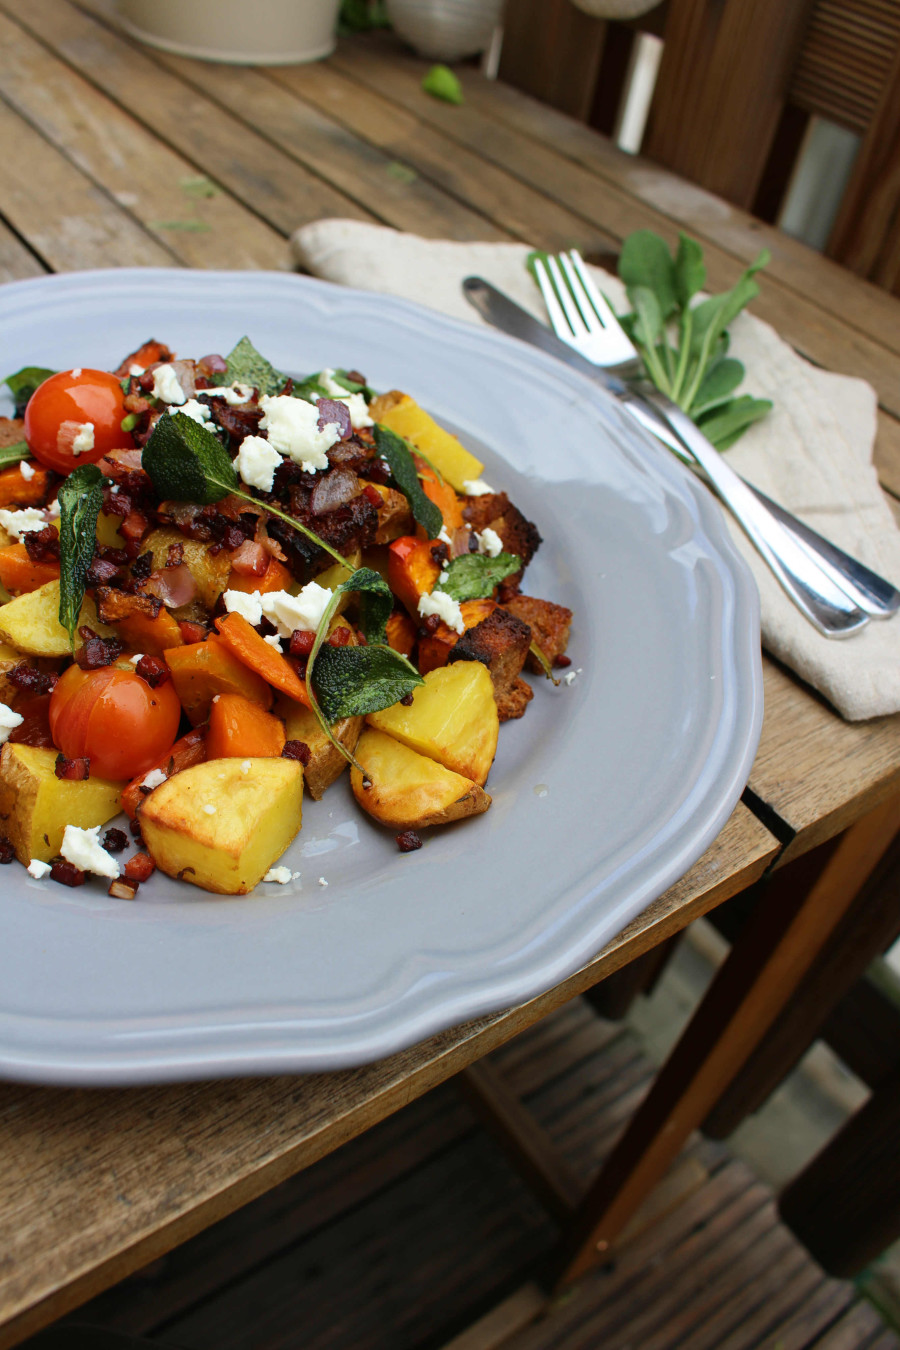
[(200, 670)]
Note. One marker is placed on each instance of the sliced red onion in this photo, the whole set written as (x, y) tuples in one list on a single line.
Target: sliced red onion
[(333, 489), (174, 586), (251, 559), (334, 413)]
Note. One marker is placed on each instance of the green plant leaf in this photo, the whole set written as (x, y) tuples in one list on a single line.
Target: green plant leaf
[(80, 500), (717, 386), (245, 365), (395, 450), (645, 261), (690, 270), (13, 454), (187, 463), (354, 681), (23, 384), (376, 600), (729, 422), (475, 576), (440, 82)]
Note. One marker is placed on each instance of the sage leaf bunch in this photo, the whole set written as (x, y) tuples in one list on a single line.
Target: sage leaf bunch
[(80, 500)]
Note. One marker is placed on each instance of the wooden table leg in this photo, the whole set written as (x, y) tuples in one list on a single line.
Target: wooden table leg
[(757, 980)]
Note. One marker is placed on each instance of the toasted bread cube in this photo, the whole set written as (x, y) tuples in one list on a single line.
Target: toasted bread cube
[(452, 719), (549, 624), (501, 643), (222, 824), (36, 806), (408, 791)]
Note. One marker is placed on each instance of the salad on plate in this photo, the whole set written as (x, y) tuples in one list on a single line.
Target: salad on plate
[(223, 587)]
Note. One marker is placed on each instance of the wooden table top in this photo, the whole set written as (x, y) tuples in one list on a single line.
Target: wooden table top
[(117, 155)]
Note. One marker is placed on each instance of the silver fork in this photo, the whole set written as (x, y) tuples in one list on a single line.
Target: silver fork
[(836, 592)]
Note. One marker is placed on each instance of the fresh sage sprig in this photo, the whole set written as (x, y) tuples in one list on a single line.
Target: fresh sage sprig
[(80, 500), (475, 576), (395, 450), (352, 681), (684, 345), (23, 384), (187, 463)]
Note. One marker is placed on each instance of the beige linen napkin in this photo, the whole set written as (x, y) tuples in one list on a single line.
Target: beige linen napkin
[(812, 453)]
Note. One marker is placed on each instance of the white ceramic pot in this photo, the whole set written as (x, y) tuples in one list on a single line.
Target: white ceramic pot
[(616, 9), (264, 32), (445, 30)]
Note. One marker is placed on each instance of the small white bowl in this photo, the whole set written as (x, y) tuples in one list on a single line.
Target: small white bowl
[(264, 33), (445, 30)]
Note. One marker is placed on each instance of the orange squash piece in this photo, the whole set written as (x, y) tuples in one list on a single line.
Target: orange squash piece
[(262, 658), (190, 750), (16, 490), (143, 633), (200, 670), (275, 578), (412, 571), (401, 633), (436, 647), (442, 494), (19, 574), (239, 729)]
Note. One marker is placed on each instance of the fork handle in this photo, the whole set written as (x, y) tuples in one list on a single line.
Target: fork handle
[(825, 604)]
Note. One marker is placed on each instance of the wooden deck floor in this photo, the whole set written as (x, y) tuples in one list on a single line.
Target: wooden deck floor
[(420, 1235)]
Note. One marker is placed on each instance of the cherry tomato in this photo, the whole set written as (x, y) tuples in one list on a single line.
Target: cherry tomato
[(60, 409), (115, 719)]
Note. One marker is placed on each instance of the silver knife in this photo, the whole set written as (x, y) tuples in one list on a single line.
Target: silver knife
[(873, 593)]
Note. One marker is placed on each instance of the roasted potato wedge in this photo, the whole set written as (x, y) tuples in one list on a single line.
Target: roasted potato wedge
[(9, 658), (222, 824), (209, 570), (402, 414), (325, 762), (409, 791), (36, 806), (30, 622), (452, 719)]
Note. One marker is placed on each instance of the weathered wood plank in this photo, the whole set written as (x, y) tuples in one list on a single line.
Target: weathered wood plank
[(189, 215), (135, 1172), (16, 261)]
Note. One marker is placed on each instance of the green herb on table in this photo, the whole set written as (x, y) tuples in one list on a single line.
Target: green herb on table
[(440, 82), (683, 345), (475, 576), (187, 463), (80, 500)]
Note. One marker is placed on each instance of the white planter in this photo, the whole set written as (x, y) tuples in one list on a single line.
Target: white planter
[(616, 9), (264, 32), (445, 30)]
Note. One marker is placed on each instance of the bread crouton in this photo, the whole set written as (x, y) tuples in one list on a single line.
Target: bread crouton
[(501, 643), (494, 510), (549, 624)]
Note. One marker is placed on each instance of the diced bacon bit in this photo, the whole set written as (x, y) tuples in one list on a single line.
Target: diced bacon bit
[(101, 572), (149, 353), (139, 867), (296, 750), (74, 770), (192, 632), (301, 642), (175, 555), (361, 639), (97, 651), (7, 852), (175, 586), (35, 727), (135, 828), (440, 552), (214, 364), (120, 889), (42, 545), (152, 669), (341, 637), (408, 841), (142, 567), (407, 700), (372, 495), (28, 680), (562, 661), (250, 559), (67, 873), (114, 841), (134, 526), (116, 503)]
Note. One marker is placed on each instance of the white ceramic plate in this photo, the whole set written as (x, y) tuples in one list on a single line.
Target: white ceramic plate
[(604, 794)]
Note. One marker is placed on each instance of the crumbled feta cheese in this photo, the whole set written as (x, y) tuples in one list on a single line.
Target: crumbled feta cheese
[(444, 536), (84, 439), (20, 522), (489, 542), (232, 393), (322, 881), (572, 676), (280, 874), (256, 462), (198, 412), (246, 766), (38, 869), (288, 612), (136, 370), (9, 720), (138, 656), (476, 487), (246, 603), (273, 640), (209, 809), (26, 470), (53, 509), (82, 848), (76, 373), (330, 385), (445, 607), (154, 778), (293, 428), (166, 387)]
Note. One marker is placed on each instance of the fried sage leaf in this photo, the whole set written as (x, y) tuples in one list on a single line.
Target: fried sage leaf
[(395, 450), (80, 500), (23, 384), (13, 454), (474, 576), (245, 365)]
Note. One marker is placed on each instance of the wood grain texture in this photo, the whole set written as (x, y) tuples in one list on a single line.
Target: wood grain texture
[(553, 51), (132, 1173)]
